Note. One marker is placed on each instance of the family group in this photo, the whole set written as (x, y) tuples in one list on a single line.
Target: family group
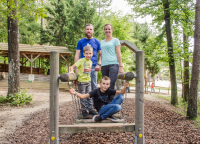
[(106, 100)]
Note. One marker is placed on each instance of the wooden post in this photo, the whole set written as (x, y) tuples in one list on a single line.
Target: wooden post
[(4, 66), (54, 98), (159, 90), (139, 98), (31, 64), (22, 64), (39, 66)]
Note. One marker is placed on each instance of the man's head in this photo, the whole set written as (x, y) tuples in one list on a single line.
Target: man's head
[(88, 52), (89, 30), (104, 83)]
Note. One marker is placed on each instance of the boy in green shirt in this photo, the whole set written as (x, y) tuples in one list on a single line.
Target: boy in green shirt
[(84, 66)]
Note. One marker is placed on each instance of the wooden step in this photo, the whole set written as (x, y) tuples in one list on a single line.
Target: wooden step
[(103, 121), (97, 127), (118, 115)]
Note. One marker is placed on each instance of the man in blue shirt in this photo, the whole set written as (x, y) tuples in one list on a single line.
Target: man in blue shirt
[(95, 44)]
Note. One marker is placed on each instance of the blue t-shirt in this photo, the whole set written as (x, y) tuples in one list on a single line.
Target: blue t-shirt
[(109, 55), (94, 43)]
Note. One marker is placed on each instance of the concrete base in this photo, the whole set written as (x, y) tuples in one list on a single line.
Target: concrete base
[(97, 127)]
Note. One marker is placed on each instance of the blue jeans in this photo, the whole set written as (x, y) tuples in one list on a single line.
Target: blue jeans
[(112, 72), (111, 108), (93, 76)]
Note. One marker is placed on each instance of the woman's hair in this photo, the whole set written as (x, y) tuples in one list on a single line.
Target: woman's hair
[(108, 24), (87, 48), (104, 78)]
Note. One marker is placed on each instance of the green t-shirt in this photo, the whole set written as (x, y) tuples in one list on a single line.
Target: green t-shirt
[(84, 68), (109, 55)]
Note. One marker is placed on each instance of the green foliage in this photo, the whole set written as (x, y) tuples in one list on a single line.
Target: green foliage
[(19, 99), (101, 5), (99, 76), (2, 99)]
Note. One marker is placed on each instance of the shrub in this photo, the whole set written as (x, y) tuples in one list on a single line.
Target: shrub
[(19, 98), (2, 99)]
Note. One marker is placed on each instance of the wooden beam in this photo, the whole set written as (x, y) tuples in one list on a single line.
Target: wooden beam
[(97, 127), (103, 121), (54, 98)]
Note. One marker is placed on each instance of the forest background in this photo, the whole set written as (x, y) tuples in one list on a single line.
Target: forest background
[(62, 23)]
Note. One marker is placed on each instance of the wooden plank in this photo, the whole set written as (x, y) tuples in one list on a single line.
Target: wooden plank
[(97, 127), (103, 121)]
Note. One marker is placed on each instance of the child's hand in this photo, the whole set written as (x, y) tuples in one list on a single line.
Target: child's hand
[(126, 84), (72, 91), (72, 73)]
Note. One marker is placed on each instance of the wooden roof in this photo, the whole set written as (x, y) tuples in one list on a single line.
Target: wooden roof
[(36, 49)]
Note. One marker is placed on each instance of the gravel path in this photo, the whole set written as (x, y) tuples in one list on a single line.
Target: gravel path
[(30, 124)]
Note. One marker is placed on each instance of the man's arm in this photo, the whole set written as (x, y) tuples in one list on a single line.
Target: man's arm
[(76, 58), (123, 91), (98, 67), (81, 96)]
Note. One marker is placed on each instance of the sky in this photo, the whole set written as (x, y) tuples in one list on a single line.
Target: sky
[(123, 6)]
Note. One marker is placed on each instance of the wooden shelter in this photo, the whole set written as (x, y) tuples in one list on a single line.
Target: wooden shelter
[(31, 53)]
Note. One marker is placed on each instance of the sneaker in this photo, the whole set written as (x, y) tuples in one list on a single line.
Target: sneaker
[(92, 112), (113, 118), (85, 114), (97, 118)]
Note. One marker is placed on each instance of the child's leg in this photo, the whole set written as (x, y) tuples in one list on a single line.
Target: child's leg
[(108, 110), (118, 99), (89, 100), (81, 89), (112, 107)]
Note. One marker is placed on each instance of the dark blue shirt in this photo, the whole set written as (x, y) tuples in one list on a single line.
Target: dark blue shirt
[(94, 43)]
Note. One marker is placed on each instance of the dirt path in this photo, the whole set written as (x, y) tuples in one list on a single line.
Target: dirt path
[(12, 117)]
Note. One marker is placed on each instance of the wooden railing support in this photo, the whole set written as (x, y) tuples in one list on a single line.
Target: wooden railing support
[(54, 98), (139, 98)]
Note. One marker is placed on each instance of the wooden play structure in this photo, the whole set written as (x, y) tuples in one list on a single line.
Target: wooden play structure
[(87, 126)]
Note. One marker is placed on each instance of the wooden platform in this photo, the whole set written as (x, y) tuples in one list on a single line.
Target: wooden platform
[(97, 127)]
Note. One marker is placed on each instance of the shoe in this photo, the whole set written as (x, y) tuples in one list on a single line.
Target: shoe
[(85, 114), (97, 118), (92, 112), (113, 118)]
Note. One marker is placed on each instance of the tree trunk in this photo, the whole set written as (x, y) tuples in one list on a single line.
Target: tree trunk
[(174, 98), (193, 93), (13, 51), (186, 69)]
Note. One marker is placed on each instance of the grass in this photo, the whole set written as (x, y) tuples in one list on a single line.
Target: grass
[(183, 106)]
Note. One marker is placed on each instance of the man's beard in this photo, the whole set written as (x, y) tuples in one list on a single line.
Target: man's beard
[(88, 36)]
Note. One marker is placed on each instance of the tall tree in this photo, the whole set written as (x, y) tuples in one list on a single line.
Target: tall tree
[(193, 93), (13, 48), (174, 98), (101, 4), (161, 12), (9, 10)]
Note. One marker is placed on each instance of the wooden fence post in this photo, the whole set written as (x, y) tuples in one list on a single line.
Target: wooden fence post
[(54, 98), (139, 98)]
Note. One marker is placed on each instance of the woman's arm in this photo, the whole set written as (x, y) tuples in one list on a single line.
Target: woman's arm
[(81, 96), (118, 51)]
